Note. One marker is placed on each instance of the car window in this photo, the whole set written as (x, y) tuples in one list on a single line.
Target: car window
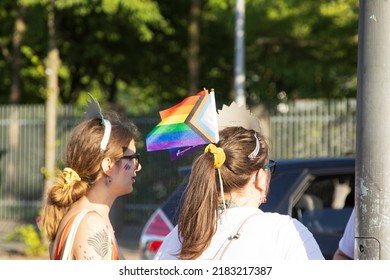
[(325, 205), (282, 183)]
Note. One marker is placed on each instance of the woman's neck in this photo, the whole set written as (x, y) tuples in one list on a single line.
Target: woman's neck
[(248, 196), (99, 201)]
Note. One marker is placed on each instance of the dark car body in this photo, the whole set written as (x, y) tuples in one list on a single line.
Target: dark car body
[(318, 192)]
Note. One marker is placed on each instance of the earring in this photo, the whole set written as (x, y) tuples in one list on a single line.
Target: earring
[(264, 200), (108, 181)]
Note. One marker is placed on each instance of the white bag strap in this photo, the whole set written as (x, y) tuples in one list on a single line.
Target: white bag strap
[(66, 254), (236, 234)]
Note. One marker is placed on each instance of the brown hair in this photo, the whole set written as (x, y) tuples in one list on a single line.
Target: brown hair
[(84, 156), (198, 216)]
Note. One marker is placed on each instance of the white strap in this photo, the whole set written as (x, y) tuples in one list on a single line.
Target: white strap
[(66, 254), (235, 235)]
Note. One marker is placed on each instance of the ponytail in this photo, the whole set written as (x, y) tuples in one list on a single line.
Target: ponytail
[(197, 221), (60, 196), (220, 170)]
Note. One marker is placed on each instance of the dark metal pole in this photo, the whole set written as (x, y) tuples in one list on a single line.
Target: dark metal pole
[(372, 218)]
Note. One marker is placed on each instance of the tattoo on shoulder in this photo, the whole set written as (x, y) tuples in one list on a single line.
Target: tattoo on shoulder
[(99, 242)]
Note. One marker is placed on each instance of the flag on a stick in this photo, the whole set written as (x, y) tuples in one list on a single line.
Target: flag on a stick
[(190, 123)]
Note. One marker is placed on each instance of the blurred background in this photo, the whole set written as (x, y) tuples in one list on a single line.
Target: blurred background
[(296, 70)]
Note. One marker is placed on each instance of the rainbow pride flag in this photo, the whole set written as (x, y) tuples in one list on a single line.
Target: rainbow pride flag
[(191, 123)]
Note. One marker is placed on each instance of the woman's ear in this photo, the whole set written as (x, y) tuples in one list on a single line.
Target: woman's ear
[(106, 166), (261, 182)]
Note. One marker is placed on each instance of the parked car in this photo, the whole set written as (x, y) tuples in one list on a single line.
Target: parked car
[(318, 192)]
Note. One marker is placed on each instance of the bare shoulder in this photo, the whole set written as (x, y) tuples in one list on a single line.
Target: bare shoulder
[(92, 220), (92, 241)]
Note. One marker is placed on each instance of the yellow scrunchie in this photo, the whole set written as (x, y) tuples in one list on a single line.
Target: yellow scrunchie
[(219, 154), (70, 176)]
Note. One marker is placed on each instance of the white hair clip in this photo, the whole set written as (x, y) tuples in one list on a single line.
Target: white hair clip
[(256, 150), (94, 112)]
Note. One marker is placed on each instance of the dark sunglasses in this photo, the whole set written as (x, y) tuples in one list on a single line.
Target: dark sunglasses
[(271, 166), (133, 156)]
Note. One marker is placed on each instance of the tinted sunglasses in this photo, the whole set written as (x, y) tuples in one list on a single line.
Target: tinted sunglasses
[(135, 156), (271, 166)]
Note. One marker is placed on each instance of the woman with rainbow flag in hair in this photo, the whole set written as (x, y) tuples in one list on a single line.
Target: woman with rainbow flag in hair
[(220, 216), (101, 165)]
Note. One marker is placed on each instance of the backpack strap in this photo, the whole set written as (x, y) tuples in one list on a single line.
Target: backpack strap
[(236, 234)]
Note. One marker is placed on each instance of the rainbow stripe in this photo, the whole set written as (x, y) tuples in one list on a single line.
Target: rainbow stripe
[(190, 123)]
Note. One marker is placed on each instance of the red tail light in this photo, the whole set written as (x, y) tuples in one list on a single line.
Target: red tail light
[(154, 246), (158, 225), (153, 234)]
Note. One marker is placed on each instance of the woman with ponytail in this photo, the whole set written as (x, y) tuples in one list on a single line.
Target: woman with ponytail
[(220, 218), (101, 165)]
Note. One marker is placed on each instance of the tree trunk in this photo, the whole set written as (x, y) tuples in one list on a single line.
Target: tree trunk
[(52, 64), (12, 165), (16, 61), (193, 47), (20, 28)]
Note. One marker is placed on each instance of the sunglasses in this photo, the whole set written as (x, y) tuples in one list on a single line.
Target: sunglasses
[(135, 156), (271, 166)]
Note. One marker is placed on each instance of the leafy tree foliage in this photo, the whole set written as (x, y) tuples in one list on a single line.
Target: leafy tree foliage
[(303, 48), (134, 53)]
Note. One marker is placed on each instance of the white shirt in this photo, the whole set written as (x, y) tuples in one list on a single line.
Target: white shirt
[(268, 236), (346, 243)]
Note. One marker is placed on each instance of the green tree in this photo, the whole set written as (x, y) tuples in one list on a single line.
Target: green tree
[(22, 72), (306, 49), (139, 52)]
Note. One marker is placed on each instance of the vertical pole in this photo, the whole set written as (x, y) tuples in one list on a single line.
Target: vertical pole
[(372, 198), (239, 65), (52, 64)]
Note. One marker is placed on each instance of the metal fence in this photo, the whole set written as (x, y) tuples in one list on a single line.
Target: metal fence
[(310, 128), (313, 128), (22, 141)]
